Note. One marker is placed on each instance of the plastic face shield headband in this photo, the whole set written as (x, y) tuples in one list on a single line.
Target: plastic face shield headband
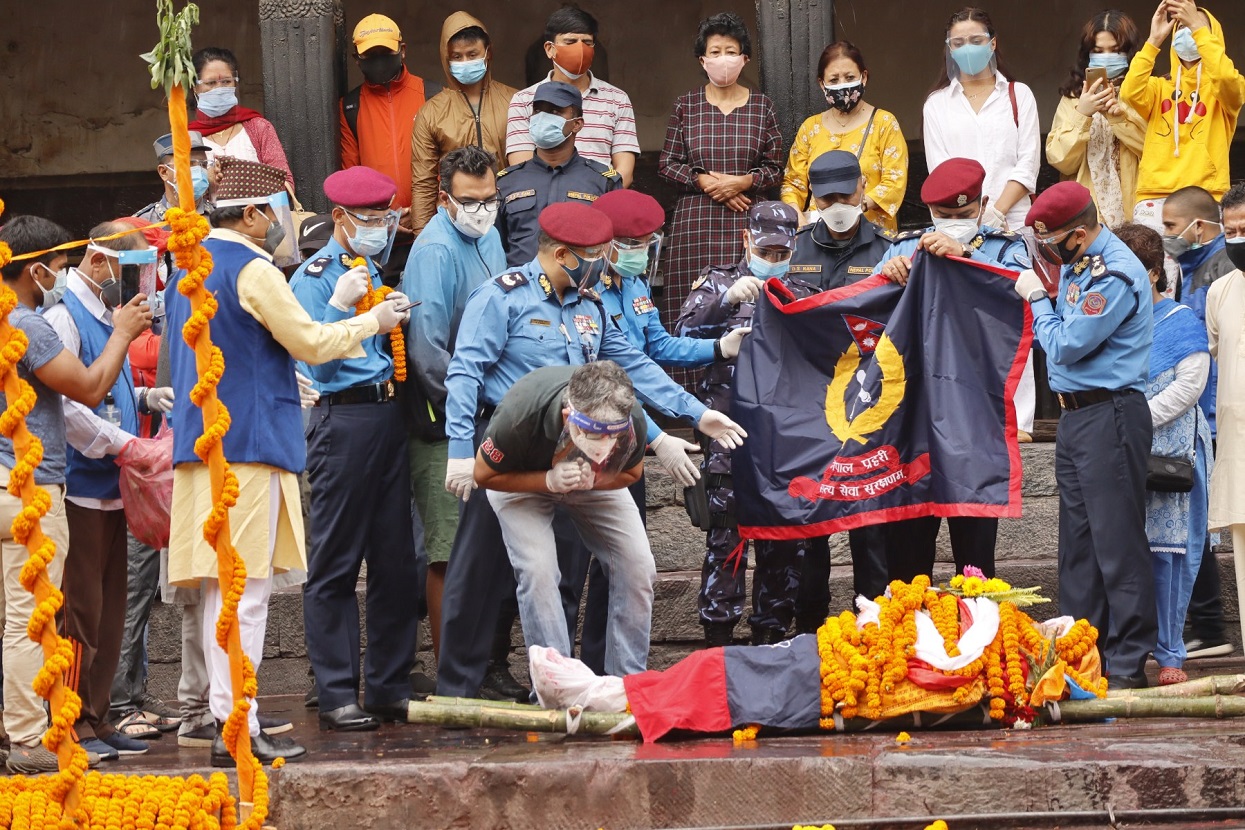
[(287, 253), (139, 274), (605, 446)]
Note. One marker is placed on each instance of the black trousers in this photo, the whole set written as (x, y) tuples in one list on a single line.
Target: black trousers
[(359, 472), (1105, 573), (1205, 615), (911, 545), (870, 568)]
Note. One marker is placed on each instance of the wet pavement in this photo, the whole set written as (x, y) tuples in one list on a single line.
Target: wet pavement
[(408, 776)]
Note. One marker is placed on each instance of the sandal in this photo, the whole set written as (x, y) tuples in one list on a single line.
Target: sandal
[(1169, 675), (134, 724)]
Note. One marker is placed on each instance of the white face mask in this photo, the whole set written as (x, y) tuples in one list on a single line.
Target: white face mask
[(840, 218), (961, 230), (474, 225)]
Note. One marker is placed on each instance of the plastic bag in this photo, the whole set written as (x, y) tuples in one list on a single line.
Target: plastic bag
[(147, 487), (563, 682)]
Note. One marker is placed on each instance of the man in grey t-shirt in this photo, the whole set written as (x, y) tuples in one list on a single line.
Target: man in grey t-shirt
[(53, 372)]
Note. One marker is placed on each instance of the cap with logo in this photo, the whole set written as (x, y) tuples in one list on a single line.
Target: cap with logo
[(773, 224), (315, 232), (164, 144), (954, 183), (576, 224), (1057, 206), (377, 30)]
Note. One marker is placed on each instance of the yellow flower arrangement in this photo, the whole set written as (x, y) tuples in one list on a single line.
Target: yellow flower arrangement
[(396, 338), (746, 734), (903, 737)]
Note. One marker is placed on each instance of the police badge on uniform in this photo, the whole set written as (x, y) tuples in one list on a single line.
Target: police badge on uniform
[(1074, 294), (642, 305), (586, 324)]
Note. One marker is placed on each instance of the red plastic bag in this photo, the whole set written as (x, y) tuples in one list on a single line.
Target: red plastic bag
[(147, 487)]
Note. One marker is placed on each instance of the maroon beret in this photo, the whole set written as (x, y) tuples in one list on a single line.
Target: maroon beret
[(1057, 206), (576, 224), (360, 187), (954, 183), (633, 214)]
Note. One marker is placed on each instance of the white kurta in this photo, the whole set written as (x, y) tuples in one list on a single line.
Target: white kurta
[(1225, 324)]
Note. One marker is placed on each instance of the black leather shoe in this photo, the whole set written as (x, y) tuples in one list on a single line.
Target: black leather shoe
[(396, 712), (265, 748), (719, 634), (767, 636), (1127, 681), (499, 684), (348, 718)]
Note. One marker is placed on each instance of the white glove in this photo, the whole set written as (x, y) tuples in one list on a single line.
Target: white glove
[(722, 429), (387, 315), (1030, 286), (672, 453), (569, 475), (160, 399), (460, 476), (991, 216), (730, 343), (745, 290), (350, 288), (307, 394)]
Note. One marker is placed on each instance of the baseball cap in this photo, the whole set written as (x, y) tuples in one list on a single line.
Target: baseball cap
[(377, 30), (773, 224)]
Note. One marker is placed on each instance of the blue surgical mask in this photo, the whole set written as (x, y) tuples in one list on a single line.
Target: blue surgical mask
[(971, 58), (198, 180), (1115, 63), (217, 101), (546, 130), (60, 284), (468, 72), (764, 269), (1185, 46), (631, 262), (369, 241)]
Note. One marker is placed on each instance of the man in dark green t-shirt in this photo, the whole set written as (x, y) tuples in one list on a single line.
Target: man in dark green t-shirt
[(567, 436)]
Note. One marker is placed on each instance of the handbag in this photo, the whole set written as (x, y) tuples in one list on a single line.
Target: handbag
[(1165, 474)]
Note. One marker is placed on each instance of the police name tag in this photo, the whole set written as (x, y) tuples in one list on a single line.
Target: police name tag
[(583, 197), (859, 269), (519, 194), (806, 269), (538, 322)]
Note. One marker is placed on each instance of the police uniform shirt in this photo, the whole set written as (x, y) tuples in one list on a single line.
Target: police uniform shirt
[(529, 187), (155, 211), (313, 285), (523, 433), (515, 323), (990, 245), (820, 262), (1098, 331)]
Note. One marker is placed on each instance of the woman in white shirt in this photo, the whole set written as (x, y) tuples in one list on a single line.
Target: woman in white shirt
[(976, 111)]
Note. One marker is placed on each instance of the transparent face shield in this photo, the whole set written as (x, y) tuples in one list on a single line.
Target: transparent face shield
[(1040, 259), (969, 55), (287, 253), (391, 224), (635, 257), (604, 447)]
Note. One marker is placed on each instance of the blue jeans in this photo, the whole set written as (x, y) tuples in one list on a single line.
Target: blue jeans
[(611, 527)]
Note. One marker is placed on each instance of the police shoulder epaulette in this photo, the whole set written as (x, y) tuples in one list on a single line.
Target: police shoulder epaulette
[(886, 233), (906, 235), (1098, 270), (590, 294), (610, 173), (315, 268), (506, 170), (806, 228), (511, 280)]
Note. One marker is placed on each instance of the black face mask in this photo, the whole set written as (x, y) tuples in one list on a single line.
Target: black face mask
[(381, 69), (1057, 253), (1235, 249)]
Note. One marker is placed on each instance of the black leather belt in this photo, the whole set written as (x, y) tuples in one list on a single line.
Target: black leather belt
[(367, 393), (1077, 400)]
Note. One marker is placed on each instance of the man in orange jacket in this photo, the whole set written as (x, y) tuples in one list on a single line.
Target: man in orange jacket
[(376, 117)]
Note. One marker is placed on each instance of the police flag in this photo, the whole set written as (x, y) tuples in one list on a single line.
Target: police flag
[(874, 403)]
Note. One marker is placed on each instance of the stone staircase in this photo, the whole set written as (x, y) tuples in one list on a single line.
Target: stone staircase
[(1026, 555)]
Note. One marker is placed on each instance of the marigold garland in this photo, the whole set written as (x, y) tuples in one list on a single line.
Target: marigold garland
[(864, 671), (397, 340), (746, 734)]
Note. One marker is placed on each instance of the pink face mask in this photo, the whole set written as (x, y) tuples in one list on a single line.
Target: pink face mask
[(723, 70)]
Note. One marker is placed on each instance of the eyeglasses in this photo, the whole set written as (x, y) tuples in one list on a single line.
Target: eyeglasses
[(1059, 237), (473, 206), (216, 83), (381, 221), (975, 40), (623, 243), (773, 254)]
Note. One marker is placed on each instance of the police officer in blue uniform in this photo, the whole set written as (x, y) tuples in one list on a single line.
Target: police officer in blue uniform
[(840, 248), (953, 194), (529, 317), (557, 173), (1097, 333), (359, 472), (722, 300)]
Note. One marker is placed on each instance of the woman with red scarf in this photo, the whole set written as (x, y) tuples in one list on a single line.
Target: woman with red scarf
[(229, 128)]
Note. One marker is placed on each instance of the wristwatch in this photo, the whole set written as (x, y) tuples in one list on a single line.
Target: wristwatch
[(1036, 294)]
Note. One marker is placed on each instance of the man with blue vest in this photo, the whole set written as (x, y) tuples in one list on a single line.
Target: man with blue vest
[(96, 568), (261, 330), (359, 472), (1097, 332)]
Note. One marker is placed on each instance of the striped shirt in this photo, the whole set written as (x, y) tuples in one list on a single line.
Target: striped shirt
[(609, 122)]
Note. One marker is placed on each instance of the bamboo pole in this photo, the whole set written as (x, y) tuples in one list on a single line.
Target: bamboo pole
[(1216, 706), (485, 715), (471, 701), (1221, 684)]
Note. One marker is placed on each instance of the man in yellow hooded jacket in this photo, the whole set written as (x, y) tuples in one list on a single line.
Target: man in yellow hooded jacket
[(1191, 116), (471, 109)]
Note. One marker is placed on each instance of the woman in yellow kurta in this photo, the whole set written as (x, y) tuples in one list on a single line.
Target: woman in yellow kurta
[(1095, 138), (850, 123)]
